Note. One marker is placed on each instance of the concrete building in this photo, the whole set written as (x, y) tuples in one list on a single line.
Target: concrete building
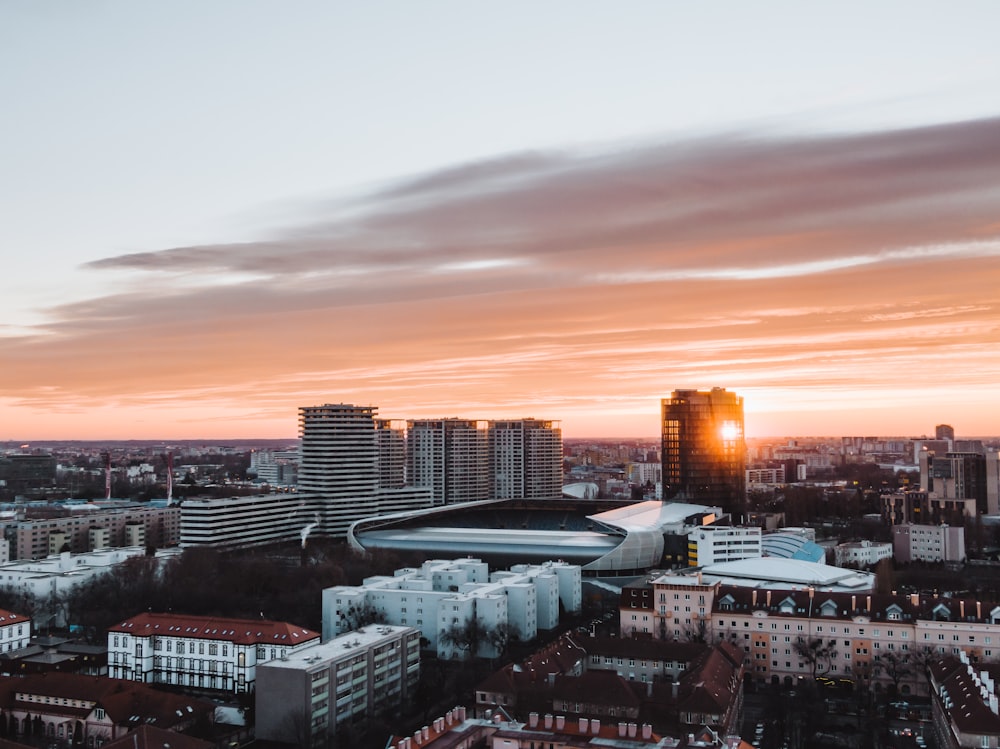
[(925, 508), (35, 539), (973, 474), (861, 553), (525, 459), (275, 467), (445, 595), (928, 543), (305, 696), (15, 631), (339, 473), (712, 544), (48, 579), (704, 451), (200, 651), (242, 522), (450, 457), (765, 477)]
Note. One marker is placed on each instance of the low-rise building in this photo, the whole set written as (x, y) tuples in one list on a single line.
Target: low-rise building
[(713, 544), (928, 543), (91, 710), (200, 651), (308, 694), (861, 553), (15, 631), (442, 597)]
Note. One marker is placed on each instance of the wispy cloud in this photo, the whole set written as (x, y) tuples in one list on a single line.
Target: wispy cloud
[(555, 279)]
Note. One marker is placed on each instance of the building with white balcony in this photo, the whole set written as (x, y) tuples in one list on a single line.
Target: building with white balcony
[(444, 596), (721, 543), (200, 651), (307, 694)]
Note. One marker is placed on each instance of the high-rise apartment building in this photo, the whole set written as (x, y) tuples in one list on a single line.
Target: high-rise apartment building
[(944, 432), (348, 462), (704, 452), (449, 457), (390, 435), (525, 459)]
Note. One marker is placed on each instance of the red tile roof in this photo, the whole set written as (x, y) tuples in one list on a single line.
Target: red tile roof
[(238, 631)]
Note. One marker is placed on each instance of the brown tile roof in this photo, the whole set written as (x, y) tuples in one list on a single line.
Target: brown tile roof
[(151, 737), (643, 649), (238, 631), (8, 617), (968, 711), (595, 688)]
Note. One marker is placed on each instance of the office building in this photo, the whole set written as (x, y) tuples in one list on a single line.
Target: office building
[(928, 543), (971, 474), (348, 467), (449, 457), (307, 695), (713, 544), (390, 437), (944, 432), (525, 459), (200, 651), (704, 452)]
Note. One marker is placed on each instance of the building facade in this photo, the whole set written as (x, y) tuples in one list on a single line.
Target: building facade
[(525, 459), (703, 447), (928, 543), (199, 651), (442, 597), (712, 544), (449, 457), (306, 696), (861, 553)]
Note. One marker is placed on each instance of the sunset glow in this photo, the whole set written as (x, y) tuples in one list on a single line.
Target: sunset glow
[(842, 280)]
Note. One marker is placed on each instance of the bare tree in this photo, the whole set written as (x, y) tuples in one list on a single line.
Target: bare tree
[(818, 653)]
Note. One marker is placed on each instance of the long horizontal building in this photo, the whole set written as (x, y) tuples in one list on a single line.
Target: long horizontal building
[(242, 522), (602, 537), (200, 651), (801, 631)]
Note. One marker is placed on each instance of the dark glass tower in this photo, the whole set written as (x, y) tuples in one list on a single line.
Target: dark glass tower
[(704, 451)]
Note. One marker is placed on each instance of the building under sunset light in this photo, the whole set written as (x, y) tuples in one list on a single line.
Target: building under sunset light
[(704, 452)]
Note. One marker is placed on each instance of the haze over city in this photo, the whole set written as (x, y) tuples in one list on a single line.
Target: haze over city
[(215, 215)]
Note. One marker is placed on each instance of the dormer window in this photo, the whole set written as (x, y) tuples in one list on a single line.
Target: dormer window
[(828, 608), (893, 612), (941, 612)]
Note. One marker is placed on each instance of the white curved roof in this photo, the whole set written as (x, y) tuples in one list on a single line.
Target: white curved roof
[(790, 572)]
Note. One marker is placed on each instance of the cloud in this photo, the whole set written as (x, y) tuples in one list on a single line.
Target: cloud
[(556, 278)]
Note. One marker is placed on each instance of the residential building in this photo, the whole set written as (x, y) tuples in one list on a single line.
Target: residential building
[(50, 578), (442, 596), (36, 539), (275, 467), (712, 544), (15, 631), (704, 452), (762, 477), (199, 651), (449, 457), (925, 508), (972, 474), (928, 543), (339, 473), (91, 710), (525, 459), (306, 695), (964, 707), (861, 553), (243, 522), (390, 438)]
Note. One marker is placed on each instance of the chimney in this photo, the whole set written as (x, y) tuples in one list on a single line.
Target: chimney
[(548, 721), (979, 609), (497, 718), (416, 735), (769, 599), (533, 720), (633, 730), (560, 722), (961, 608), (595, 726), (647, 731), (461, 713), (753, 597), (854, 604), (583, 725), (449, 717), (674, 689), (622, 730), (425, 733), (914, 599), (868, 604)]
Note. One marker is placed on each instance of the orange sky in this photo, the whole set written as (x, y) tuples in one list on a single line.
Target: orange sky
[(843, 284)]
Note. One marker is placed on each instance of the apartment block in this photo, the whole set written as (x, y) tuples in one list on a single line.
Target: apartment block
[(928, 543), (308, 693), (713, 544), (445, 595)]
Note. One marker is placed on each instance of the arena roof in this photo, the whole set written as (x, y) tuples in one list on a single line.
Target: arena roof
[(775, 572)]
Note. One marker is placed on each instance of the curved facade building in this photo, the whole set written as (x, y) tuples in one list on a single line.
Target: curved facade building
[(604, 538)]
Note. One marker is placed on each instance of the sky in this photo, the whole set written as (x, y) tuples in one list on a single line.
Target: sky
[(213, 213)]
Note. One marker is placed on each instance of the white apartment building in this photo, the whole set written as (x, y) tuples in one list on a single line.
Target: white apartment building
[(307, 694), (928, 543), (861, 553), (712, 544), (443, 595), (449, 457), (525, 459), (339, 471), (49, 578), (275, 467), (242, 521), (765, 476), (200, 651), (644, 473)]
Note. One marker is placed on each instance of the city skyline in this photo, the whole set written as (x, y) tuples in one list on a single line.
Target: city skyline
[(559, 213)]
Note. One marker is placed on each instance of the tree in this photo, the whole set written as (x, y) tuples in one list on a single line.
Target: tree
[(818, 653), (466, 636), (895, 664), (360, 615)]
